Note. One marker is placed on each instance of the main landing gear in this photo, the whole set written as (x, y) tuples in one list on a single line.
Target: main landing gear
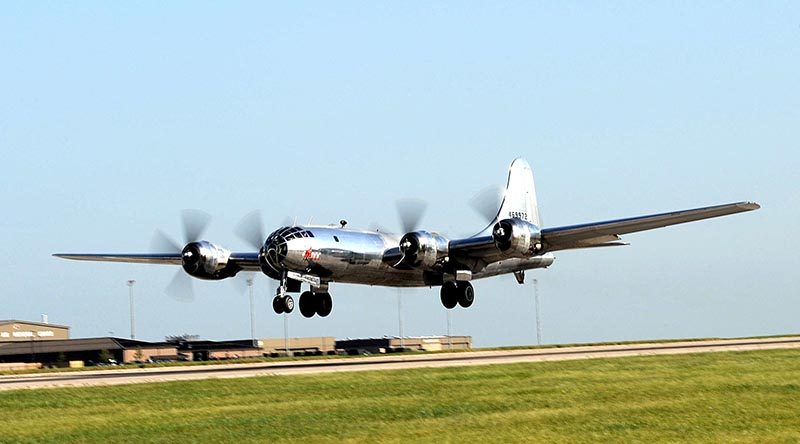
[(311, 303), (457, 293), (315, 302)]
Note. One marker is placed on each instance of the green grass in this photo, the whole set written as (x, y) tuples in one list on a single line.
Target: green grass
[(712, 397)]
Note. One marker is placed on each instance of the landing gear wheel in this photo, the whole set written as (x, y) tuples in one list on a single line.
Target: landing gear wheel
[(466, 294), (324, 304), (308, 304), (449, 294), (277, 305), (288, 304)]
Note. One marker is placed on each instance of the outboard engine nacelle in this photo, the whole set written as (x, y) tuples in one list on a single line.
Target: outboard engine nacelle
[(205, 260), (421, 249), (517, 238)]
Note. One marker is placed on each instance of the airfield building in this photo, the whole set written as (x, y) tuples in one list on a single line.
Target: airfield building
[(12, 330), (45, 344), (407, 343)]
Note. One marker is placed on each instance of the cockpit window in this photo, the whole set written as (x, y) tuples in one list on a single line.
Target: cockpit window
[(289, 233)]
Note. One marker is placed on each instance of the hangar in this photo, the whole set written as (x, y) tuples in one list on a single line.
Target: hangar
[(13, 330), (60, 352)]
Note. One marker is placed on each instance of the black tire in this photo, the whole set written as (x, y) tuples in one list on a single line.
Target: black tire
[(277, 305), (466, 294), (324, 304), (449, 295), (288, 304), (307, 304)]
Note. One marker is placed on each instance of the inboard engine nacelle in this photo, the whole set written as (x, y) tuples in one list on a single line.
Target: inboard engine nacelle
[(205, 260), (422, 249), (517, 238)]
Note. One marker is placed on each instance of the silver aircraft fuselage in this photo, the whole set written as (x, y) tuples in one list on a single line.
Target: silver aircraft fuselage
[(512, 242), (354, 256)]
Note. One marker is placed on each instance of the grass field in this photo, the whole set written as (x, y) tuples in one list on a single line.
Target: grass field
[(712, 397)]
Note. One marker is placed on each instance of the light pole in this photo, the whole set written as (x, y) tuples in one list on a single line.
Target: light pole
[(449, 336), (400, 318), (130, 296), (286, 333), (536, 304), (252, 311)]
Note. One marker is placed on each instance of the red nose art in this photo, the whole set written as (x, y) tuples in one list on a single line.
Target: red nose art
[(311, 255)]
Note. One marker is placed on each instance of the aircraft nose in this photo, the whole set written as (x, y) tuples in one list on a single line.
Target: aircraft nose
[(299, 252)]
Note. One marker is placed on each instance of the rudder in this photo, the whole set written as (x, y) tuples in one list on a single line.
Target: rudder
[(519, 198)]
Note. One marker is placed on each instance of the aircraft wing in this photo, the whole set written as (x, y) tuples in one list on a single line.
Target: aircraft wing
[(477, 252), (607, 233), (245, 261)]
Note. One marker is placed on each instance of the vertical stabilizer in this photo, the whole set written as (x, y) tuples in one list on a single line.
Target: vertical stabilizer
[(519, 199)]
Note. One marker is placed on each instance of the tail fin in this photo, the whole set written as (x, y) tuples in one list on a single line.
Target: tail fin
[(519, 199)]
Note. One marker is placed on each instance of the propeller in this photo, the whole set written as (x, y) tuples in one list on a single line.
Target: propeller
[(411, 212), (251, 230), (487, 201), (193, 224), (181, 287)]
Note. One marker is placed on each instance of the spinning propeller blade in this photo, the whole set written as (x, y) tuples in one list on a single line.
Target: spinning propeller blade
[(161, 243), (487, 201), (181, 288), (251, 230), (194, 224), (411, 212)]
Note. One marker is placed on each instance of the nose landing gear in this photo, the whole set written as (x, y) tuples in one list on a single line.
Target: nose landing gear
[(282, 302)]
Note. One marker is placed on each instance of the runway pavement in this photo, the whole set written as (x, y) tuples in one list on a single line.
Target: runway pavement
[(384, 362)]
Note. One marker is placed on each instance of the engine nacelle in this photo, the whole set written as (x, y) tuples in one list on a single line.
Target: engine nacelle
[(205, 260), (517, 238), (424, 250)]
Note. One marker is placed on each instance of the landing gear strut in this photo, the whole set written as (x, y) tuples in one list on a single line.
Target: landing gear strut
[(457, 293), (282, 302)]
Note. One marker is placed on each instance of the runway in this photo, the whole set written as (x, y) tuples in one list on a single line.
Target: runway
[(383, 362)]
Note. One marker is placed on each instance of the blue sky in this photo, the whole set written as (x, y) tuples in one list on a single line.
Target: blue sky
[(114, 117)]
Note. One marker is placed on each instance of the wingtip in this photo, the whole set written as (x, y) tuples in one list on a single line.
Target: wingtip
[(750, 206)]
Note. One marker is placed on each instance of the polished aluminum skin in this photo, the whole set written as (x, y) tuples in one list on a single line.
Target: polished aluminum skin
[(352, 256)]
